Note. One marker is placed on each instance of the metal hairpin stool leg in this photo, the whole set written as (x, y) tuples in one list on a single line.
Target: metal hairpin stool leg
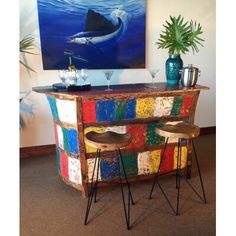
[(110, 141), (182, 132)]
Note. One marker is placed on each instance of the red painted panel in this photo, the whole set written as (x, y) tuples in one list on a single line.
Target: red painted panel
[(64, 165), (138, 134), (89, 111), (168, 160), (186, 105), (55, 132)]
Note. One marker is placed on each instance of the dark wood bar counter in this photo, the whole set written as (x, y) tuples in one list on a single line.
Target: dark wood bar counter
[(136, 109)]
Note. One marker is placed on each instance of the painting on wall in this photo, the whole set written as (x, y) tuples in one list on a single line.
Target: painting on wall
[(92, 34)]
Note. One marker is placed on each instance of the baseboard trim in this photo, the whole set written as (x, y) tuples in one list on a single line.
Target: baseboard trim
[(43, 150), (208, 130), (37, 151)]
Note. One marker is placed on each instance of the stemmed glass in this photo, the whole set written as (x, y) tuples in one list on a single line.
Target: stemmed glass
[(84, 75), (108, 75), (153, 73), (63, 77)]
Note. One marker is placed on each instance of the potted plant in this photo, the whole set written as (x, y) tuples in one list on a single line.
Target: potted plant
[(178, 37)]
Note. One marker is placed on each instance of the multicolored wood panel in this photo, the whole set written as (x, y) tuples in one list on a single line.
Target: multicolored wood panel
[(68, 167), (142, 134), (67, 139), (137, 163), (135, 108), (63, 110)]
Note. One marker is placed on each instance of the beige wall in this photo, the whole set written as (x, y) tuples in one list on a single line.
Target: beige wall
[(39, 129)]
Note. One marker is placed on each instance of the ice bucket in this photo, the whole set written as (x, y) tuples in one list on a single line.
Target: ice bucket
[(189, 76)]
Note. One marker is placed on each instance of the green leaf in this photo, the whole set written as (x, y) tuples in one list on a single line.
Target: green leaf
[(179, 35)]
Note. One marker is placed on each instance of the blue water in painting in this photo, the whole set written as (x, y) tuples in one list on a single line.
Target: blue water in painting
[(59, 20)]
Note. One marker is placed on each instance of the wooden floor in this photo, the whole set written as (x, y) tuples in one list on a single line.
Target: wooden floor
[(48, 207)]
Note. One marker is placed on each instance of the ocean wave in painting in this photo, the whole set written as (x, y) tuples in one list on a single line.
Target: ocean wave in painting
[(96, 34)]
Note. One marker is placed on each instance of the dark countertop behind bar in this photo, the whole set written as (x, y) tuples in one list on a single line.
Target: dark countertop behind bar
[(122, 88)]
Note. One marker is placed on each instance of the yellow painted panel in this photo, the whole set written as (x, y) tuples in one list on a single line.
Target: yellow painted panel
[(90, 149), (154, 160), (145, 107), (183, 157)]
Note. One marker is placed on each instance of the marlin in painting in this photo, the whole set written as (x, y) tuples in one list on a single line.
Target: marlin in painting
[(98, 31)]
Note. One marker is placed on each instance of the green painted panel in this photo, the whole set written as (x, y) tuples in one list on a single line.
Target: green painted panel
[(65, 139), (58, 159), (177, 106), (130, 163), (152, 137), (120, 109)]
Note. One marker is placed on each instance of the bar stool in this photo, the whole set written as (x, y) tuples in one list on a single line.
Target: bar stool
[(108, 141), (183, 132)]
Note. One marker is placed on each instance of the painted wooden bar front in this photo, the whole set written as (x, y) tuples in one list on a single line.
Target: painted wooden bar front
[(136, 109)]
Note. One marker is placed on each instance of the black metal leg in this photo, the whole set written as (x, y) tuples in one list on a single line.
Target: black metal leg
[(199, 172), (96, 183), (158, 169), (92, 189), (127, 217), (126, 179)]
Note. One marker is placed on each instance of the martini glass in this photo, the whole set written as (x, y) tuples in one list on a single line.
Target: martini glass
[(153, 73), (108, 75)]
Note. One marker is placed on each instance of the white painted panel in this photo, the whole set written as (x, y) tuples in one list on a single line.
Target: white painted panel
[(117, 129), (67, 111), (143, 163), (60, 137), (74, 167), (163, 106), (90, 165)]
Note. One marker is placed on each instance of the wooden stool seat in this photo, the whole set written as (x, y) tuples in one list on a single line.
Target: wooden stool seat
[(108, 140), (180, 130)]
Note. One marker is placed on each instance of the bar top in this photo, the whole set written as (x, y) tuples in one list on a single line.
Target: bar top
[(122, 89)]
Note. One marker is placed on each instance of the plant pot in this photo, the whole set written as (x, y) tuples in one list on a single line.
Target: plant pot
[(173, 64)]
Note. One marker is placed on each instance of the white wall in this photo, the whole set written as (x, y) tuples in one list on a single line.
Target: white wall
[(39, 129)]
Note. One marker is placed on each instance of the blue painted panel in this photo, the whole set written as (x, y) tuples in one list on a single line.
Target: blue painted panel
[(105, 110), (130, 109), (109, 168), (53, 106), (72, 139)]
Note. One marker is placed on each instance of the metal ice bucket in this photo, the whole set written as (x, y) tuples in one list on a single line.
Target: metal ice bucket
[(189, 76)]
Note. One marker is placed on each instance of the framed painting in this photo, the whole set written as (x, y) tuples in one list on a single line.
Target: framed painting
[(92, 34)]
